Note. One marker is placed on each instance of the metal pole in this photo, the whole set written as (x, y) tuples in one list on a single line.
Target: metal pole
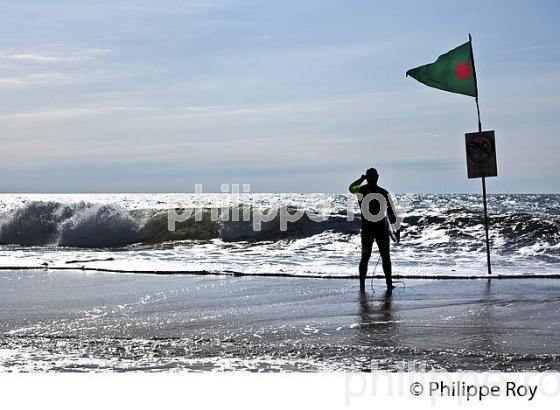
[(484, 202), (486, 226), (483, 178)]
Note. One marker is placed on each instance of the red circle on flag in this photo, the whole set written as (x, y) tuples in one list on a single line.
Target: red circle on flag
[(462, 70)]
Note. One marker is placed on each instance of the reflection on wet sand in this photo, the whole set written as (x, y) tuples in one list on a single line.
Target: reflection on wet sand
[(378, 326)]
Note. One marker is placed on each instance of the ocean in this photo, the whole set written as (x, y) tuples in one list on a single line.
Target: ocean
[(442, 234)]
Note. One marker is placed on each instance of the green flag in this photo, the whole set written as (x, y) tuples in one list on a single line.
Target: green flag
[(452, 71)]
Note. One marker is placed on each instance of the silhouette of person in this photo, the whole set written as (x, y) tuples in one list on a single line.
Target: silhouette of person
[(375, 206)]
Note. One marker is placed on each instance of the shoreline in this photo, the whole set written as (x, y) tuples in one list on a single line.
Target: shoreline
[(279, 274)]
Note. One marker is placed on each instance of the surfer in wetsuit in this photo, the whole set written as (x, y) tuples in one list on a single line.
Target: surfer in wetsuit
[(375, 206)]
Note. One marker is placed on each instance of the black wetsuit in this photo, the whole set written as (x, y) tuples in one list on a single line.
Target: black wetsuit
[(375, 230)]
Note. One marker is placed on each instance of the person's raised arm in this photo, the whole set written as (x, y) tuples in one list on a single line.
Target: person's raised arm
[(355, 186)]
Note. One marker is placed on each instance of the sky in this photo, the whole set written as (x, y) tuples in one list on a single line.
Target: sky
[(287, 96)]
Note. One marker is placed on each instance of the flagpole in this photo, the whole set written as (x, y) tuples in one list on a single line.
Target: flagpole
[(483, 178)]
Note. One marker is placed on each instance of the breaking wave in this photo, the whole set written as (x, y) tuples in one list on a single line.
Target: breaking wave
[(109, 226), (84, 225)]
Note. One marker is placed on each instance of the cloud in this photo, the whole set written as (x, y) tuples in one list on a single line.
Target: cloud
[(70, 112), (240, 153), (25, 69), (37, 79), (535, 47), (42, 57), (285, 108)]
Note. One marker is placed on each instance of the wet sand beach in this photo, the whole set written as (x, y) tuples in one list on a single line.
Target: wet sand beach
[(93, 321)]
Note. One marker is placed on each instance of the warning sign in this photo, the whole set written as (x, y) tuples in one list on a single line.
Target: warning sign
[(481, 154)]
